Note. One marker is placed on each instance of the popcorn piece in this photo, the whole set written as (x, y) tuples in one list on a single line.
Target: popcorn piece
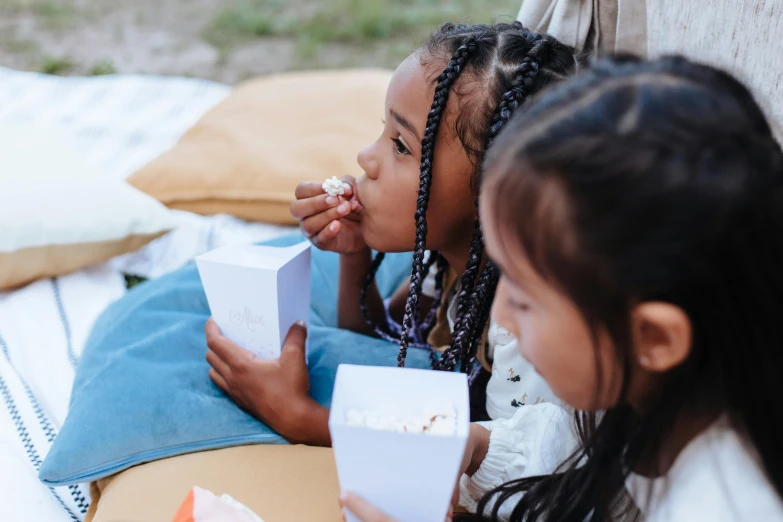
[(433, 421), (413, 426), (446, 411), (356, 418), (333, 187), (443, 426)]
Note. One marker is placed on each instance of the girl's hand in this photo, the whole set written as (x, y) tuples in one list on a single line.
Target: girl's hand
[(366, 512), (276, 392), (362, 509), (329, 222), (475, 452)]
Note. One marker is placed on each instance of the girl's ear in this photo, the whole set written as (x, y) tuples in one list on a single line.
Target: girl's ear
[(662, 336)]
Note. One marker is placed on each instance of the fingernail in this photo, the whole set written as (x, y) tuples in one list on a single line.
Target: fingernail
[(343, 498), (301, 323), (343, 209), (333, 227), (332, 200)]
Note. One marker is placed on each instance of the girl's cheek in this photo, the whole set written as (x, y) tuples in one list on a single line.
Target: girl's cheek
[(505, 321), (502, 312), (526, 346)]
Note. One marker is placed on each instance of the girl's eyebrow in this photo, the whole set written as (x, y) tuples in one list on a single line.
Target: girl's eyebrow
[(405, 123)]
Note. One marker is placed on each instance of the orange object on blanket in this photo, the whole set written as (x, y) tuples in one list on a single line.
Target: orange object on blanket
[(202, 505)]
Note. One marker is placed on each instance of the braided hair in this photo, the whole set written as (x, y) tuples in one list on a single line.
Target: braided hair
[(510, 63), (476, 296), (442, 90), (428, 322)]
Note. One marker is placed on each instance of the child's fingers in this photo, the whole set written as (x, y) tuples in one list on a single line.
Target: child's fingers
[(348, 182), (219, 381), (353, 216), (293, 351), (308, 189), (315, 224), (211, 329), (228, 352), (363, 510), (327, 235), (218, 364), (303, 208)]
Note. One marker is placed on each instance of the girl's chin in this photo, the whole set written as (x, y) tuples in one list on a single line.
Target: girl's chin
[(381, 244)]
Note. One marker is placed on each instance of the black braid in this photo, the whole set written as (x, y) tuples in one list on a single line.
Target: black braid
[(520, 89), (517, 93), (368, 280), (469, 328), (472, 268), (429, 321), (492, 278), (445, 81), (418, 326), (479, 311)]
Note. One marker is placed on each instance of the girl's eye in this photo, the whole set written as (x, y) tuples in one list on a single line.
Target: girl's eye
[(399, 147), (520, 306)]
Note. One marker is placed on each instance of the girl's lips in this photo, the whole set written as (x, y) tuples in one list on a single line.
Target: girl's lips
[(356, 202)]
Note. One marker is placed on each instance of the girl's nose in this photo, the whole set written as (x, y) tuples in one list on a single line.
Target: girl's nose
[(368, 162)]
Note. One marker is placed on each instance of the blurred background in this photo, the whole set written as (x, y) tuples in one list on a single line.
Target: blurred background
[(223, 40)]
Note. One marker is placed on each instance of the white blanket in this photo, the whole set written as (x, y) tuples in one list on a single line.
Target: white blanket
[(118, 123)]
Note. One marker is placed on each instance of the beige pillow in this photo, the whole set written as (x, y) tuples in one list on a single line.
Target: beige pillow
[(246, 155), (279, 483)]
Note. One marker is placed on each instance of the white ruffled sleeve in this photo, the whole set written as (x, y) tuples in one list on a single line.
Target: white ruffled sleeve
[(535, 441)]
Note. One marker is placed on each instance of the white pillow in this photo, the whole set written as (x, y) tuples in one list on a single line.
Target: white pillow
[(56, 216), (37, 152)]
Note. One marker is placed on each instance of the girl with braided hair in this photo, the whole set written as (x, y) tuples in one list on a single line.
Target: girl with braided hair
[(636, 214), (445, 105)]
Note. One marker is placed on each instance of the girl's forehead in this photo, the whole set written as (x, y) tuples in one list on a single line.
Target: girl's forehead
[(505, 247), (411, 90)]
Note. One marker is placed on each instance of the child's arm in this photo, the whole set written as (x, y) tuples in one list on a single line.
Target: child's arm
[(535, 441), (353, 270), (477, 448), (400, 297)]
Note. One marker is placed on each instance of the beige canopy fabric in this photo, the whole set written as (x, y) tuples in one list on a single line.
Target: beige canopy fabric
[(593, 25), (743, 37), (568, 21)]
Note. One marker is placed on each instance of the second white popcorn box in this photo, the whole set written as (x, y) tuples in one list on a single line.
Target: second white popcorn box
[(409, 476), (256, 293)]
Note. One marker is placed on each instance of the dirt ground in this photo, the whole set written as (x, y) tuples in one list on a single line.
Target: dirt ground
[(223, 40)]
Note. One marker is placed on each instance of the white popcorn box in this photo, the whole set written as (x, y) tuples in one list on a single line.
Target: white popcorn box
[(409, 476), (256, 293)]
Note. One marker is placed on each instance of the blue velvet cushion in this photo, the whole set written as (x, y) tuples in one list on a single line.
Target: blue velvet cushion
[(142, 391)]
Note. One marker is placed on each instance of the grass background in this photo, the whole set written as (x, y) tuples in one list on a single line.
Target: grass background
[(225, 40)]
